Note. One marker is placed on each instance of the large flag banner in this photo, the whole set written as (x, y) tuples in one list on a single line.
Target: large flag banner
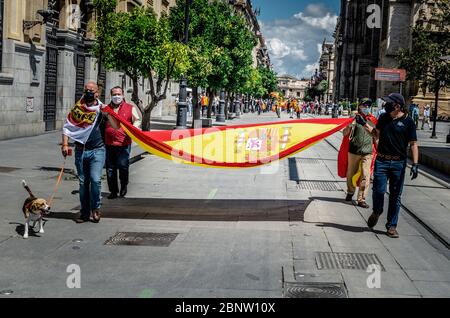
[(235, 146)]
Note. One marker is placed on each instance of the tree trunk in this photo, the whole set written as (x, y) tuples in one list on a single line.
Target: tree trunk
[(195, 106), (147, 115), (135, 94)]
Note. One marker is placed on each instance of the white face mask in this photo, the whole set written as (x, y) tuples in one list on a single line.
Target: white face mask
[(117, 99)]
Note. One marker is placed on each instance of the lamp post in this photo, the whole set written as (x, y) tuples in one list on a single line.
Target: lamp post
[(221, 113), (182, 103)]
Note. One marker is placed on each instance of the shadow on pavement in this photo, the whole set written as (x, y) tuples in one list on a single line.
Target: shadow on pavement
[(331, 199), (199, 209), (347, 228), (20, 229)]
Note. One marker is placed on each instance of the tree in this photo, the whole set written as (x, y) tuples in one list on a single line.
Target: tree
[(102, 10), (269, 79), (430, 41), (140, 45), (200, 51)]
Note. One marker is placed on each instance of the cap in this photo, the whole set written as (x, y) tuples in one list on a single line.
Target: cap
[(395, 98), (365, 102)]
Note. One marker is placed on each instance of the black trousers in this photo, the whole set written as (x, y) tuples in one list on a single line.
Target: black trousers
[(117, 159)]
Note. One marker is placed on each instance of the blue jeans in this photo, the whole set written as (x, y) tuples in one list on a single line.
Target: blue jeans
[(89, 164), (394, 171), (117, 158)]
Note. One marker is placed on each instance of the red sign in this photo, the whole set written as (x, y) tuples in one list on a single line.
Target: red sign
[(390, 74)]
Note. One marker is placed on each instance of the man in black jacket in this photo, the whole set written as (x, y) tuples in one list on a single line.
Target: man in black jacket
[(395, 130)]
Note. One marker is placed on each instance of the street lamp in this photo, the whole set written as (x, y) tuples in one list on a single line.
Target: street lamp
[(182, 103), (221, 113)]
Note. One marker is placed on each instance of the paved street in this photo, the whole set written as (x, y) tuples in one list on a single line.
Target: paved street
[(259, 232)]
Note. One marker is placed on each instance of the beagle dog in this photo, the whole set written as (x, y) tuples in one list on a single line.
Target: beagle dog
[(34, 209)]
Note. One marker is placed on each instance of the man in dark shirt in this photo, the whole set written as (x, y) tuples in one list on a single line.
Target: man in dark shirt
[(83, 126), (395, 130)]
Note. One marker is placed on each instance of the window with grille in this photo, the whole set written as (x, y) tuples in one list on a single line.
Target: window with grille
[(150, 3)]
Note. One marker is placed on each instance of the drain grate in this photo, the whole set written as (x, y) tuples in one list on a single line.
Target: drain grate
[(142, 239), (314, 290), (8, 169), (359, 261), (309, 161), (318, 185)]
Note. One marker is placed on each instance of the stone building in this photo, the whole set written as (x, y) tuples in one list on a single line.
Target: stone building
[(326, 67), (360, 49), (292, 87), (45, 65), (357, 51), (260, 52)]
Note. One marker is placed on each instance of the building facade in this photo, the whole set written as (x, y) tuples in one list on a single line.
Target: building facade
[(292, 87), (361, 49), (326, 68), (44, 66), (260, 52)]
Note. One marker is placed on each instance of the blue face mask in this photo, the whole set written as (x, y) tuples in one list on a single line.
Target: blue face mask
[(365, 111), (89, 96)]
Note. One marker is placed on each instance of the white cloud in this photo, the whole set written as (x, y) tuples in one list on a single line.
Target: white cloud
[(319, 48), (295, 44), (316, 10), (278, 48), (310, 68), (328, 22)]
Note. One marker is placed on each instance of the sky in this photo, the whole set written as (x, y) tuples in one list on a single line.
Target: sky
[(294, 31)]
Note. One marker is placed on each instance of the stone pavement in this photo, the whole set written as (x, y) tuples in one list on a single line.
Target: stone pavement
[(259, 232)]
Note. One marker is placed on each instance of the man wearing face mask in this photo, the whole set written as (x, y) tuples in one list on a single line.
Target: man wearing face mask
[(360, 153), (83, 126), (395, 130), (118, 144)]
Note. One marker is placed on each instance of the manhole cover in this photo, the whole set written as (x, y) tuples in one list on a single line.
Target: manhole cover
[(142, 239), (318, 185), (8, 169), (314, 290), (359, 261)]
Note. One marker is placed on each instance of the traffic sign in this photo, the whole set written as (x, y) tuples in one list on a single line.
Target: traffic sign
[(390, 74)]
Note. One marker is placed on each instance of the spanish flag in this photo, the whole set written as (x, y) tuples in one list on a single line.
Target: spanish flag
[(241, 146)]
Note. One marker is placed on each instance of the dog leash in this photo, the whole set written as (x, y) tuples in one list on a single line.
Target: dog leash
[(58, 182)]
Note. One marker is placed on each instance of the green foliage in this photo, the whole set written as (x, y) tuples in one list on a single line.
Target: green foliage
[(269, 79), (429, 42), (140, 45)]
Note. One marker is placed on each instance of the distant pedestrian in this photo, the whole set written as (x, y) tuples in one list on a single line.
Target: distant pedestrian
[(118, 144), (360, 154), (426, 117), (415, 114), (395, 130)]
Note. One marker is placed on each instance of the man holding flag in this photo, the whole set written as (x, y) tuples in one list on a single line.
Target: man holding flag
[(360, 154), (82, 125)]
